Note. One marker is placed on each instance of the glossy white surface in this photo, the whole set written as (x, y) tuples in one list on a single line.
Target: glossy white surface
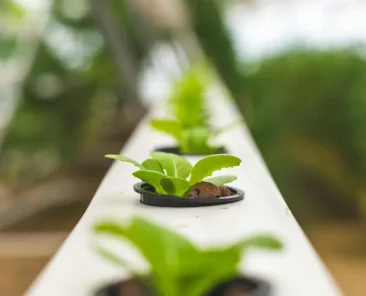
[(76, 271)]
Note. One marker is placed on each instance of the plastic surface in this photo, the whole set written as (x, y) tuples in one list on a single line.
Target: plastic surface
[(255, 286), (176, 150), (149, 197)]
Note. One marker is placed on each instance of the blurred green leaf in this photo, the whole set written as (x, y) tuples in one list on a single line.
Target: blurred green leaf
[(8, 47), (177, 267)]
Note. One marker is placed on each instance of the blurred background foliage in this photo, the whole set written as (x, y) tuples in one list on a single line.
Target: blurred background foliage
[(309, 121), (72, 93)]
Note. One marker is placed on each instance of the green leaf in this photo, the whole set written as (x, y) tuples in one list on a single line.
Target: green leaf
[(124, 159), (221, 180), (168, 186), (152, 165), (227, 258), (260, 241), (170, 127), (151, 177), (176, 264), (187, 98), (8, 47), (206, 166), (196, 140), (175, 186), (163, 249), (174, 165)]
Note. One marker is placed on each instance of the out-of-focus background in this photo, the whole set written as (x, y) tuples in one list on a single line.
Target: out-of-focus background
[(77, 76)]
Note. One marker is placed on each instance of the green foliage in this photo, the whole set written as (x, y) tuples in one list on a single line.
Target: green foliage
[(168, 173), (206, 166), (170, 127), (187, 98), (152, 165), (190, 126), (175, 186), (197, 140), (127, 159), (51, 129), (177, 267), (309, 121), (153, 178), (220, 180), (208, 23), (8, 46), (174, 165)]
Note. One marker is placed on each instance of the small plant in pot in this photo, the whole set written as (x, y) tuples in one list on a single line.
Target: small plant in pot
[(189, 123), (170, 180), (177, 267)]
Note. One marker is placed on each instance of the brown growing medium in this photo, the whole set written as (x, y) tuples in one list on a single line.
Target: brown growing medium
[(224, 191), (208, 190)]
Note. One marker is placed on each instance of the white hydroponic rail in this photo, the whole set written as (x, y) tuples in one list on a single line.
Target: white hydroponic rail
[(76, 271)]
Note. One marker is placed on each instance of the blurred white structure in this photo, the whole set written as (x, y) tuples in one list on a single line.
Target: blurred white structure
[(266, 27)]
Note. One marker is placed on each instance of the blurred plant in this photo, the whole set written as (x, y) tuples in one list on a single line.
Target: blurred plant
[(207, 20), (168, 173), (309, 110), (11, 18), (190, 126), (178, 267)]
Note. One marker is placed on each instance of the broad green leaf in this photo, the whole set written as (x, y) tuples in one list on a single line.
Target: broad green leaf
[(124, 159), (152, 165), (170, 127), (221, 180), (175, 186), (206, 166), (196, 140), (177, 265), (162, 249), (168, 186), (174, 165), (151, 177)]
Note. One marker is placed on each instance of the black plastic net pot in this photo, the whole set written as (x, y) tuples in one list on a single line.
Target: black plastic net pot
[(148, 196)]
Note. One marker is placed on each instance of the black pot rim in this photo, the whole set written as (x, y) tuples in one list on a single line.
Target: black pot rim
[(176, 150), (149, 197), (263, 288)]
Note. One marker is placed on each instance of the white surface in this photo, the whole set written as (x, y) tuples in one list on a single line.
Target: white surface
[(77, 271)]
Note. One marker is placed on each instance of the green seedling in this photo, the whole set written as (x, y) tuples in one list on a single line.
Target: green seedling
[(177, 267), (189, 125), (174, 175)]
